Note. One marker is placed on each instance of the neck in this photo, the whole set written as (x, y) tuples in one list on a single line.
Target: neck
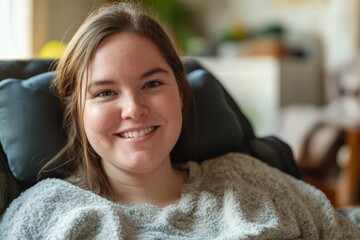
[(159, 187)]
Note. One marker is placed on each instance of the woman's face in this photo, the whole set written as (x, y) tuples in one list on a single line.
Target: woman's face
[(133, 108)]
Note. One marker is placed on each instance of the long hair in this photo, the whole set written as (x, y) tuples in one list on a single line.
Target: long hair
[(72, 70)]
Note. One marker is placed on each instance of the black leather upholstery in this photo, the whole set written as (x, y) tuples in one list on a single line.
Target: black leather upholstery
[(269, 149)]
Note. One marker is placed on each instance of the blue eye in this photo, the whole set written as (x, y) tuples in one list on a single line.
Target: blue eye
[(105, 93), (152, 84)]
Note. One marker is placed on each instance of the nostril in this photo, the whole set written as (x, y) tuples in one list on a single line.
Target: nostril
[(134, 111), (134, 105)]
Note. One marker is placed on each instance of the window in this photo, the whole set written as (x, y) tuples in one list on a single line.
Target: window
[(15, 29)]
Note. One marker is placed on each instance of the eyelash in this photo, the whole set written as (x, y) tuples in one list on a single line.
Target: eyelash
[(104, 93), (150, 84)]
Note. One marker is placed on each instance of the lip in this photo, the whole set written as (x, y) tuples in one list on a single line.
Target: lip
[(137, 129)]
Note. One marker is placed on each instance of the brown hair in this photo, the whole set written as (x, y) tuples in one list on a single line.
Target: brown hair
[(71, 70)]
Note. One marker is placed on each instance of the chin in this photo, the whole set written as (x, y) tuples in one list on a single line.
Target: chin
[(144, 164)]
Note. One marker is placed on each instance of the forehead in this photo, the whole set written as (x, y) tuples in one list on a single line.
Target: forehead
[(126, 52)]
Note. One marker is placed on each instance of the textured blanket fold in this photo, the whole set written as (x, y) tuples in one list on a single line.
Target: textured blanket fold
[(230, 197)]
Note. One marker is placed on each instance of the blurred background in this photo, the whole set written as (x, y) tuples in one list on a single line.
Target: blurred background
[(291, 65)]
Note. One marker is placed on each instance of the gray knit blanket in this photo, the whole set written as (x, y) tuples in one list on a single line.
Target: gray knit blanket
[(230, 197)]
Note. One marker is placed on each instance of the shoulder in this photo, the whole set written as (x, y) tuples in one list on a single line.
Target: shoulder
[(48, 196), (238, 163), (244, 171), (42, 189), (39, 195), (48, 188), (39, 210)]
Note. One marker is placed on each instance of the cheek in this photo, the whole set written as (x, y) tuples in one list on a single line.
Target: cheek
[(173, 108), (96, 119)]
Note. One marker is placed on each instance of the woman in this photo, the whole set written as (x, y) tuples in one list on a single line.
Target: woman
[(125, 101), (86, 80)]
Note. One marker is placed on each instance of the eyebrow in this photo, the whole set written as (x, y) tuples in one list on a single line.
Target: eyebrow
[(153, 71), (99, 83)]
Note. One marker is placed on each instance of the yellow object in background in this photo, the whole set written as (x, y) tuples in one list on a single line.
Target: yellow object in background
[(52, 49)]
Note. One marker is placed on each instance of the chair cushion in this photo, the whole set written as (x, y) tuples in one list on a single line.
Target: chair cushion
[(31, 133), (24, 69), (217, 129), (30, 124)]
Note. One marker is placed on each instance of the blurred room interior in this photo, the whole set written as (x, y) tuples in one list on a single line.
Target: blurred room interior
[(291, 65)]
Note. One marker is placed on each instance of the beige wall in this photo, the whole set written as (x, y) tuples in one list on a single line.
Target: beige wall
[(58, 20)]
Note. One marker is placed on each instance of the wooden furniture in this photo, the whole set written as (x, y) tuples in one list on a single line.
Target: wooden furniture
[(348, 187), (344, 190)]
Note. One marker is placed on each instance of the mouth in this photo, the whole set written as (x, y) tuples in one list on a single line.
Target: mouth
[(138, 133)]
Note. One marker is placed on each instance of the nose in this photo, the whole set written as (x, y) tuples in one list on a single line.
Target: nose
[(133, 107)]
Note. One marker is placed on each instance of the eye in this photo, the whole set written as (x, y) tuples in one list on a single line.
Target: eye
[(105, 93), (152, 84)]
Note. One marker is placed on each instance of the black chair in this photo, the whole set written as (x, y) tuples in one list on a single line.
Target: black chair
[(211, 99), (219, 125)]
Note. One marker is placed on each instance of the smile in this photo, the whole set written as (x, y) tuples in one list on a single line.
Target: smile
[(136, 134)]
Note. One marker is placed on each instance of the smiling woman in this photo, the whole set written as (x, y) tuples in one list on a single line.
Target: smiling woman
[(131, 81), (133, 119), (125, 103)]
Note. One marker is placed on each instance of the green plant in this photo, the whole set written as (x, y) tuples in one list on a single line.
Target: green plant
[(176, 15)]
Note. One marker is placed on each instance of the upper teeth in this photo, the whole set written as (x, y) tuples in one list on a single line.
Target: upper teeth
[(135, 134)]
